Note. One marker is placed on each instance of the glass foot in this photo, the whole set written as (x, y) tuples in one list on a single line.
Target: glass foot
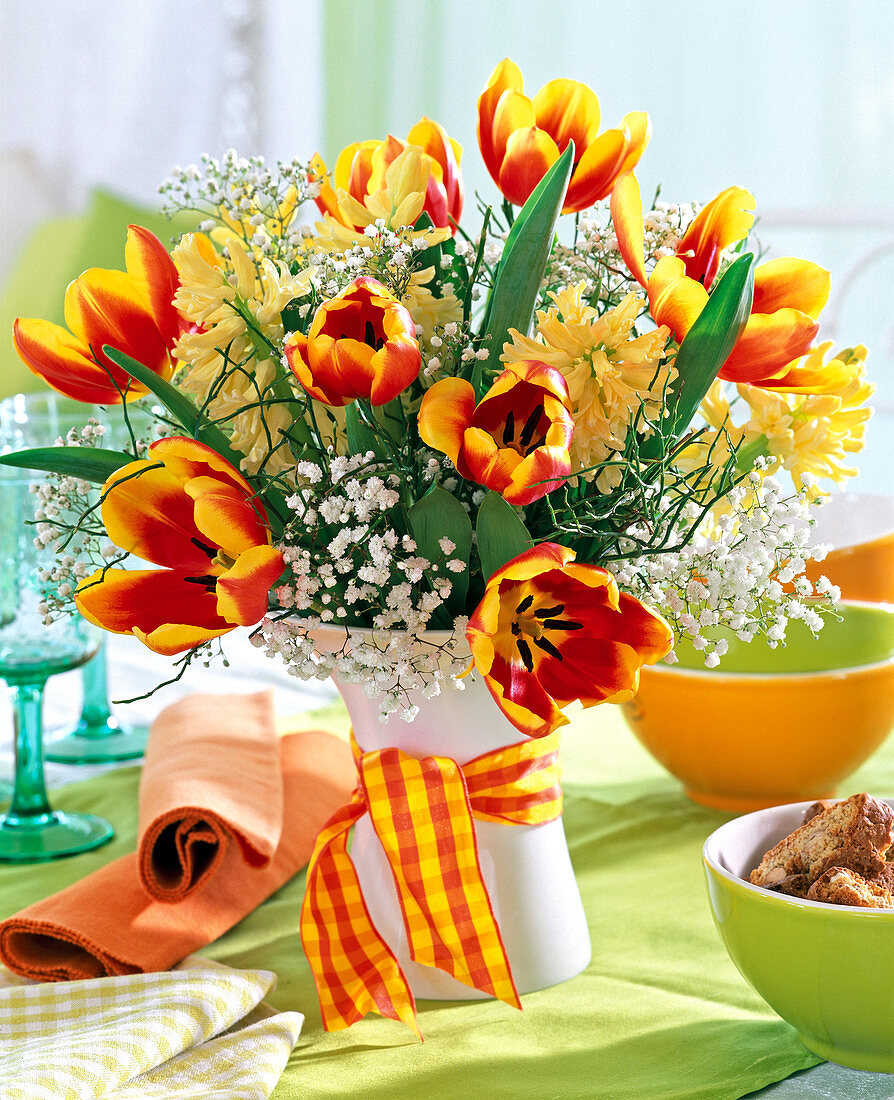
[(89, 744), (50, 836)]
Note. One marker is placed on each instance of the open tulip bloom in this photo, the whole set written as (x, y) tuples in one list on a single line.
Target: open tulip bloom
[(556, 449)]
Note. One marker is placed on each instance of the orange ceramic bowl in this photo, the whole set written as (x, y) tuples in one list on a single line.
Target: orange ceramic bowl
[(859, 528), (772, 726)]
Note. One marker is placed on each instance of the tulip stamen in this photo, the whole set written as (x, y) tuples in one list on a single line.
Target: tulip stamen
[(211, 551), (509, 429), (525, 650), (546, 645), (527, 432), (526, 603), (562, 624), (549, 612), (207, 581), (370, 338)]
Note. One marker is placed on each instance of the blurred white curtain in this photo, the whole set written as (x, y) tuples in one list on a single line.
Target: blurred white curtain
[(100, 92)]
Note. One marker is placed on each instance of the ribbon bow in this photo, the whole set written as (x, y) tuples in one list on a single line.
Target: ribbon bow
[(422, 813)]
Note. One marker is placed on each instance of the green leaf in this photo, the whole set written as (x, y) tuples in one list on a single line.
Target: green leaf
[(440, 515), (501, 534), (519, 276), (90, 463), (708, 343)]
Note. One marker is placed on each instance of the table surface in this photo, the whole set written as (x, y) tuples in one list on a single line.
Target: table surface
[(611, 765)]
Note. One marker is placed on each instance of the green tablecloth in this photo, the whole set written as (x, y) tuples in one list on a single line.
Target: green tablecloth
[(660, 1013)]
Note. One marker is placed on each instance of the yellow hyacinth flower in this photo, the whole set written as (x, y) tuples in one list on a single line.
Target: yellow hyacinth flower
[(611, 374), (217, 292), (812, 433)]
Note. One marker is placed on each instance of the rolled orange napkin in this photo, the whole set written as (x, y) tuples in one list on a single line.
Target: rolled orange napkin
[(108, 924), (219, 784)]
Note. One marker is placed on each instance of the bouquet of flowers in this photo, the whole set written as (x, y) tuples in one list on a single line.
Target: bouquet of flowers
[(540, 446)]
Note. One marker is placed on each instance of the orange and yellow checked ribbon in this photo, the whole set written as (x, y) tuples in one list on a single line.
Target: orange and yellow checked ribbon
[(422, 813)]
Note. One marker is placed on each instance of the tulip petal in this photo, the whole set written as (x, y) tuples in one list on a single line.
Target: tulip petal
[(105, 307), (573, 677), (296, 353), (568, 111), (539, 559), (505, 77), (224, 517), (521, 698), (445, 413), (542, 471), (446, 153), (169, 639), (146, 513), (627, 220), (595, 173), (639, 126), (153, 271), (768, 344), (186, 458), (786, 281), (483, 461), (350, 367), (327, 200), (530, 153), (810, 374), (674, 299), (151, 604), (53, 354), (354, 168), (727, 218), (242, 591)]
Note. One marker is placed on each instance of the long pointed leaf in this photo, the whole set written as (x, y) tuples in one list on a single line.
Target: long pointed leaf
[(706, 346), (520, 273), (94, 464)]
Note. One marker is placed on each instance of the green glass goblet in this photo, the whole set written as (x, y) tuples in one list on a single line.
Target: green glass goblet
[(30, 652), (37, 420), (99, 736)]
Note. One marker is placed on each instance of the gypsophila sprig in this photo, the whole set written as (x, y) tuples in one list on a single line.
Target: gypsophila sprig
[(743, 572)]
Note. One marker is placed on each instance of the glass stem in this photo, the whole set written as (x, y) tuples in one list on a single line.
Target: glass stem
[(29, 796), (95, 713)]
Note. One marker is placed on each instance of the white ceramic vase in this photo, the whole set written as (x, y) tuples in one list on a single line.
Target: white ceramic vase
[(526, 868)]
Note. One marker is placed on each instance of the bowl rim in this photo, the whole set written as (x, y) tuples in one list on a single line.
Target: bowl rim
[(712, 862), (719, 674)]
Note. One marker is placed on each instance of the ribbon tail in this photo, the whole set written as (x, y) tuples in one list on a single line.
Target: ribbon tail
[(422, 817), (354, 970)]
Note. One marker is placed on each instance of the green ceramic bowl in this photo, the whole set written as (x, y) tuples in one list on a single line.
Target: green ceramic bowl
[(828, 970)]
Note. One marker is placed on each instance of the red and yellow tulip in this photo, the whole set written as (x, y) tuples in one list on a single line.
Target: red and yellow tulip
[(188, 510), (788, 293), (549, 631), (515, 440), (362, 343), (131, 311), (360, 172), (520, 138)]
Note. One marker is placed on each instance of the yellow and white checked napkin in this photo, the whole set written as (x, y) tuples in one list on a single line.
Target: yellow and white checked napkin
[(198, 1031)]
